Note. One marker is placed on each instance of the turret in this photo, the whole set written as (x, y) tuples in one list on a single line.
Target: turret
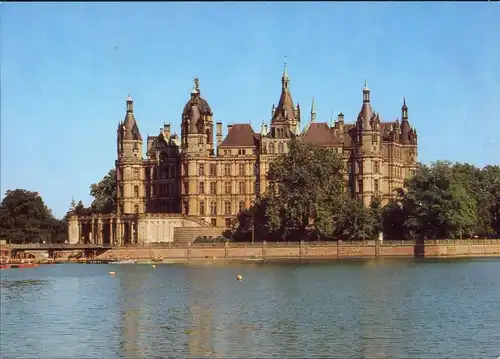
[(405, 125)]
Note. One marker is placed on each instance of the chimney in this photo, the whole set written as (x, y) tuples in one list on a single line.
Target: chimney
[(166, 129), (229, 128), (219, 132)]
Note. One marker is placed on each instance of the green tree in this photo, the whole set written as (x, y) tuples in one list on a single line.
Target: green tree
[(104, 193), (305, 191), (355, 222), (24, 218), (437, 204)]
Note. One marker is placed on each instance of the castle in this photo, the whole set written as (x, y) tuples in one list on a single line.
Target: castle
[(190, 183)]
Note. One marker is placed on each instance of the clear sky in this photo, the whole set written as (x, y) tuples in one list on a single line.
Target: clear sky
[(66, 70)]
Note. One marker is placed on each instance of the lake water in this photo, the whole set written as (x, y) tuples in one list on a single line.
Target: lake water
[(376, 308)]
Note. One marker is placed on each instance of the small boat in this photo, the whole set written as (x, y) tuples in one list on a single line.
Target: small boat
[(126, 261)]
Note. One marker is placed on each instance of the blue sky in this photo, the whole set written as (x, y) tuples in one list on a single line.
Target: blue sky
[(66, 70)]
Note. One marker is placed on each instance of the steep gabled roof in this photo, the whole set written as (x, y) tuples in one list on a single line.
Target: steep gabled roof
[(239, 135)]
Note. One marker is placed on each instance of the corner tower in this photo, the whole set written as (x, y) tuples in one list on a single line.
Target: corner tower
[(368, 154), (129, 164)]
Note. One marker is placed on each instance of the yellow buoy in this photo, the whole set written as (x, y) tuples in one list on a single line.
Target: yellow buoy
[(153, 266), (239, 277), (112, 273)]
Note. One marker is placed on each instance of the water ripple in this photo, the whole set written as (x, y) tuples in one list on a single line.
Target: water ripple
[(351, 309)]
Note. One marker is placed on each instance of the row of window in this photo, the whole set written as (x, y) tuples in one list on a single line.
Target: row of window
[(228, 209), (213, 187), (168, 189)]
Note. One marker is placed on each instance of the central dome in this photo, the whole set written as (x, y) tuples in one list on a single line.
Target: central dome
[(199, 101)]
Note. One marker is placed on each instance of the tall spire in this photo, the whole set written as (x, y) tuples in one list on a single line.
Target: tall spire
[(404, 111), (366, 92), (313, 111), (285, 80)]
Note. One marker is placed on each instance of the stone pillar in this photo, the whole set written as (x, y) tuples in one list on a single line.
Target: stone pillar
[(111, 232), (131, 232), (73, 230), (92, 231), (99, 231), (80, 232), (119, 232)]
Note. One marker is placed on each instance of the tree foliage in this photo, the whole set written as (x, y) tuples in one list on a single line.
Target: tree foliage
[(24, 218), (104, 193), (306, 200)]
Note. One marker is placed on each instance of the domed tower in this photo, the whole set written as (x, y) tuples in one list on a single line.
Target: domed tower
[(368, 156), (197, 146), (129, 165)]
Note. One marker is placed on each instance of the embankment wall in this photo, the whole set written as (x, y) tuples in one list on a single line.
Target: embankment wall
[(310, 250)]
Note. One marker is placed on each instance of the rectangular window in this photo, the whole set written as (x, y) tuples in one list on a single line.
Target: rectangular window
[(241, 187), (227, 207), (201, 169), (376, 167), (241, 169), (186, 188), (136, 191), (202, 207), (375, 185), (202, 188), (136, 208), (213, 188), (227, 169), (213, 169), (214, 222), (136, 173), (227, 187), (213, 208)]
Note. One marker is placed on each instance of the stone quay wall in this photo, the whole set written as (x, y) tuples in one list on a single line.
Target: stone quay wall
[(308, 250)]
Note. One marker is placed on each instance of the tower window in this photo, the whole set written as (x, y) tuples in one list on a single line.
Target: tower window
[(376, 167), (201, 170)]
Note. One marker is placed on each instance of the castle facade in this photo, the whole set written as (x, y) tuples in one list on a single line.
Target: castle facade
[(195, 182)]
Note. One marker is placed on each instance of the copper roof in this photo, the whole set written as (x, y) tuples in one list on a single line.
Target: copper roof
[(239, 135), (202, 104), (319, 133)]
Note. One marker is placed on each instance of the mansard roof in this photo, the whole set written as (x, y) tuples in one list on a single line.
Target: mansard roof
[(319, 133), (240, 135)]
